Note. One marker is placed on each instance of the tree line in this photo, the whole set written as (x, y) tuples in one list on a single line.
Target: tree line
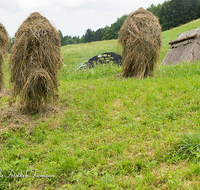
[(106, 33), (171, 13)]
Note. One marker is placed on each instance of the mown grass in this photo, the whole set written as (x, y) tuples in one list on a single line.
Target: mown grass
[(111, 133)]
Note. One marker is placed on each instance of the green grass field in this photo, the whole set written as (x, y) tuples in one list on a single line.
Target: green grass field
[(104, 131)]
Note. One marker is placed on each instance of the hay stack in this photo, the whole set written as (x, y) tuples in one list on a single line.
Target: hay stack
[(140, 37), (4, 43), (35, 60)]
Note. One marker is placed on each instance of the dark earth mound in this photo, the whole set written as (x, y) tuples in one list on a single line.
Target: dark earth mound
[(104, 58)]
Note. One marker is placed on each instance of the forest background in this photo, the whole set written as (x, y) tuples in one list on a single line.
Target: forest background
[(171, 13)]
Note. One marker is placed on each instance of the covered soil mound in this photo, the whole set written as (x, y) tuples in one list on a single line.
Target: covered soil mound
[(104, 58)]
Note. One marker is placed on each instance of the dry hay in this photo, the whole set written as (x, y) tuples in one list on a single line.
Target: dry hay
[(140, 38), (12, 118), (35, 60), (4, 43)]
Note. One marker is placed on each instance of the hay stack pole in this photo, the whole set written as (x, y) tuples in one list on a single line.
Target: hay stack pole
[(4, 43), (35, 60), (140, 38)]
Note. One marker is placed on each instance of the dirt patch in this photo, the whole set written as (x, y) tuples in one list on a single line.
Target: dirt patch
[(165, 173), (4, 93), (11, 115), (117, 106), (164, 168)]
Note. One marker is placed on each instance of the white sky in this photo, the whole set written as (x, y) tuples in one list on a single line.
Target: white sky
[(72, 17)]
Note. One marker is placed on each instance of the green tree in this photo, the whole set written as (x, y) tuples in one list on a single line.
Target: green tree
[(176, 12), (98, 35), (82, 40), (12, 41), (61, 37), (109, 34), (155, 9), (113, 30), (89, 35)]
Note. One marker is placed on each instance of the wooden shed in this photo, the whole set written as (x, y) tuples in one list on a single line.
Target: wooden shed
[(185, 48)]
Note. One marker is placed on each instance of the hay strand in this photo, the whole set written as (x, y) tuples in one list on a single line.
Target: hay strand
[(35, 60), (140, 38), (4, 43)]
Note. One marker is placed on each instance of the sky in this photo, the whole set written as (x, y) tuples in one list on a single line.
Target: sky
[(72, 17)]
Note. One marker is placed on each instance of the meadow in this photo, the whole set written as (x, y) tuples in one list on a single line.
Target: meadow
[(104, 131)]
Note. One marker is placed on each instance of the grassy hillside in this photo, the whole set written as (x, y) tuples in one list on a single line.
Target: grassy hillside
[(106, 132)]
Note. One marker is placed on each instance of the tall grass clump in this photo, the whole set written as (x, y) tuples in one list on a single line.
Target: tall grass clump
[(188, 146), (4, 43), (35, 60), (140, 38)]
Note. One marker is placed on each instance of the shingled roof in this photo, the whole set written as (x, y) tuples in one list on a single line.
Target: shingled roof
[(185, 48)]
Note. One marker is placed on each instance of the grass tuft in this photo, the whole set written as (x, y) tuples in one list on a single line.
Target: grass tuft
[(188, 147)]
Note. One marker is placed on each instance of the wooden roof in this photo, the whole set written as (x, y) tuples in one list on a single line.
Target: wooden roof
[(186, 47)]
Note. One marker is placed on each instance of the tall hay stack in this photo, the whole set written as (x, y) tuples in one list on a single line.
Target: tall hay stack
[(35, 60), (140, 38), (4, 43)]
